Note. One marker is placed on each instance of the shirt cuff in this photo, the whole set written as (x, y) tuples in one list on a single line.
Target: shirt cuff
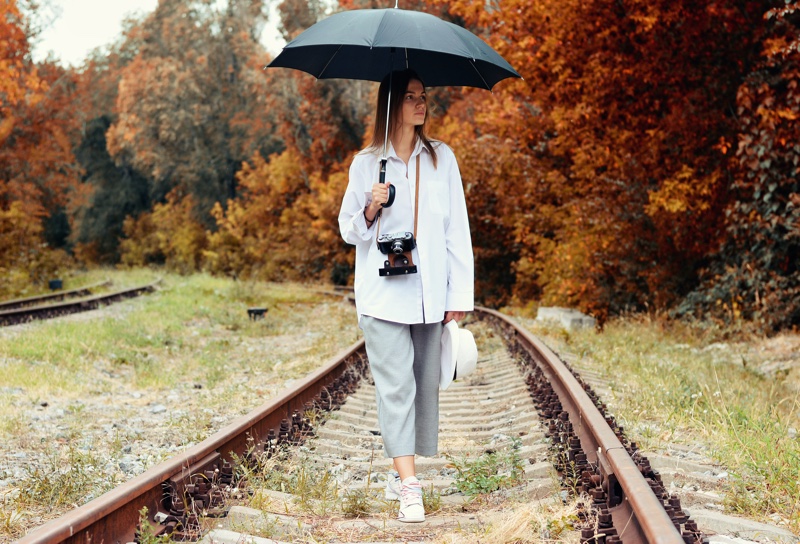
[(460, 301)]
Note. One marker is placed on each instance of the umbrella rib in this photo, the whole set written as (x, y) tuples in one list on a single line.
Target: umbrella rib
[(472, 63), (329, 61)]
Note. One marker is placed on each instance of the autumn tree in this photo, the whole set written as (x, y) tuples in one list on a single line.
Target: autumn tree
[(280, 227), (190, 107), (36, 163), (756, 274), (115, 192), (169, 235), (625, 111), (298, 15), (37, 168), (99, 204), (283, 225), (16, 82), (245, 241)]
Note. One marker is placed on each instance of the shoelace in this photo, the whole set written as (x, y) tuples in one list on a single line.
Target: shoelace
[(411, 494)]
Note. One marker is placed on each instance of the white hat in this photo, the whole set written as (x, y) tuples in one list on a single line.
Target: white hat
[(459, 354)]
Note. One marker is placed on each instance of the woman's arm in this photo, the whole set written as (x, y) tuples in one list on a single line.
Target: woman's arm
[(356, 209)]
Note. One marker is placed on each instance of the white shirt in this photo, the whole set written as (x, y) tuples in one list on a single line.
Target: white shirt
[(445, 273)]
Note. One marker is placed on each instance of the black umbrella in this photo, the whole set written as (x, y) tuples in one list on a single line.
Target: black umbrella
[(368, 44)]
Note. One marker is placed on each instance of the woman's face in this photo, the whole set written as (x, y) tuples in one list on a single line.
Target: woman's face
[(414, 103)]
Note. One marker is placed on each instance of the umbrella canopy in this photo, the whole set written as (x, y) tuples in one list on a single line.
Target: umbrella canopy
[(367, 44)]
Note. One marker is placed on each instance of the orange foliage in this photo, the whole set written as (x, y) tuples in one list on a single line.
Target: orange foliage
[(247, 229), (37, 168), (755, 276), (602, 180), (26, 259), (193, 103), (156, 131), (322, 120), (623, 115), (283, 226), (36, 162), (169, 235)]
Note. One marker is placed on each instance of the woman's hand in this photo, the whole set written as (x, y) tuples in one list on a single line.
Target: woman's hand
[(453, 316), (380, 195)]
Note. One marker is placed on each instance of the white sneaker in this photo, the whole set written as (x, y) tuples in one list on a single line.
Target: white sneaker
[(411, 509), (393, 485)]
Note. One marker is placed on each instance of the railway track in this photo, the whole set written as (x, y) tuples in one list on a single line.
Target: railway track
[(51, 297), (61, 303), (523, 402)]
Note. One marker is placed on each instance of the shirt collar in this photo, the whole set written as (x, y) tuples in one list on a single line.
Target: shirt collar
[(418, 148)]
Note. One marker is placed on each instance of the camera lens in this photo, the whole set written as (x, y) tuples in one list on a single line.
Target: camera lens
[(397, 246)]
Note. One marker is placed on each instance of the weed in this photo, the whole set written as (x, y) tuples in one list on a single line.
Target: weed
[(431, 500), (146, 533), (257, 470), (11, 424), (557, 527), (531, 522), (669, 383), (264, 527), (356, 503), (315, 490), (61, 481), (11, 522), (491, 471)]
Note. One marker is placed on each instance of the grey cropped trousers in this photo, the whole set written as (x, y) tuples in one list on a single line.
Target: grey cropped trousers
[(405, 364)]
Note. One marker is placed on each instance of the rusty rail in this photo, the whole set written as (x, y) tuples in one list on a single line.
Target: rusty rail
[(638, 514), (636, 511), (29, 313), (113, 517), (60, 295)]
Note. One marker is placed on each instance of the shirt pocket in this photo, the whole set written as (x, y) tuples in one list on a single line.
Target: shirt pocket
[(439, 197)]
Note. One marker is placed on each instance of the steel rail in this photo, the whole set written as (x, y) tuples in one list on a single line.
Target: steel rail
[(30, 313), (113, 517), (637, 512), (60, 295)]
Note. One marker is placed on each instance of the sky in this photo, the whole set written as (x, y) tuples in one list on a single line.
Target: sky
[(82, 25)]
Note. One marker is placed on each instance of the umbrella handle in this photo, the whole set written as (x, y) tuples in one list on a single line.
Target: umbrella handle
[(382, 179)]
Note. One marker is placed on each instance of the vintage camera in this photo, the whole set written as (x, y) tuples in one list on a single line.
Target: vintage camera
[(398, 247)]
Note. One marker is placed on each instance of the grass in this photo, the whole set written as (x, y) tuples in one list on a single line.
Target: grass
[(198, 325), (71, 399), (669, 382), (147, 533), (431, 500), (71, 476), (315, 490), (529, 522), (188, 347), (492, 470)]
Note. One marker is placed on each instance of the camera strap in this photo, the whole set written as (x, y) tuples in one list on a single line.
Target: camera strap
[(416, 206)]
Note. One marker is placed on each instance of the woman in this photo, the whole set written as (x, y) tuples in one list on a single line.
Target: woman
[(402, 316)]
